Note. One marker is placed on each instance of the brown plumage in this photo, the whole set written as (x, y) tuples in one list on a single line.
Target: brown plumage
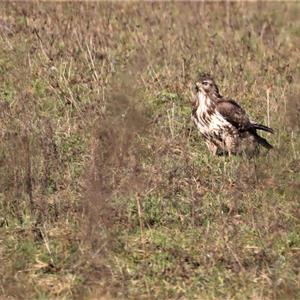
[(223, 123)]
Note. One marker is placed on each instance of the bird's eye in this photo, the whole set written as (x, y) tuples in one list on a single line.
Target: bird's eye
[(205, 83)]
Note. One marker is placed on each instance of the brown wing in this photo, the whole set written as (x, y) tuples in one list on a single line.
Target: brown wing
[(234, 114)]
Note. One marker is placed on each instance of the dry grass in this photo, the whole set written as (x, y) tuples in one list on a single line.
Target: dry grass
[(107, 191)]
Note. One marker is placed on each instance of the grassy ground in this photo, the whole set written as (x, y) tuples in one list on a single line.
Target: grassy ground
[(107, 190)]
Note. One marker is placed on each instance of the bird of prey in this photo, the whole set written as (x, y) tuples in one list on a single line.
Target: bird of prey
[(223, 123)]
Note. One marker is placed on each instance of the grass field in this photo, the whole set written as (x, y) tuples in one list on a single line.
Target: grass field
[(107, 191)]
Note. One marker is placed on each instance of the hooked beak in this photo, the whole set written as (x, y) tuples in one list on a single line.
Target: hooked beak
[(197, 87)]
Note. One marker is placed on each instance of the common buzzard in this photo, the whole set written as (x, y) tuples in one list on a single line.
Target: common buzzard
[(222, 122)]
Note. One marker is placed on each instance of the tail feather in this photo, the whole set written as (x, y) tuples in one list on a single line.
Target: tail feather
[(262, 127), (263, 142)]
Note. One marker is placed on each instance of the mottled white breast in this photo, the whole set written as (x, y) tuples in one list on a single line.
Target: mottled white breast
[(213, 124)]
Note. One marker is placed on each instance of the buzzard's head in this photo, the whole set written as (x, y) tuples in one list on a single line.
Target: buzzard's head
[(206, 85)]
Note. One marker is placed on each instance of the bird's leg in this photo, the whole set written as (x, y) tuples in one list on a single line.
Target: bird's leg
[(212, 147), (231, 145)]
